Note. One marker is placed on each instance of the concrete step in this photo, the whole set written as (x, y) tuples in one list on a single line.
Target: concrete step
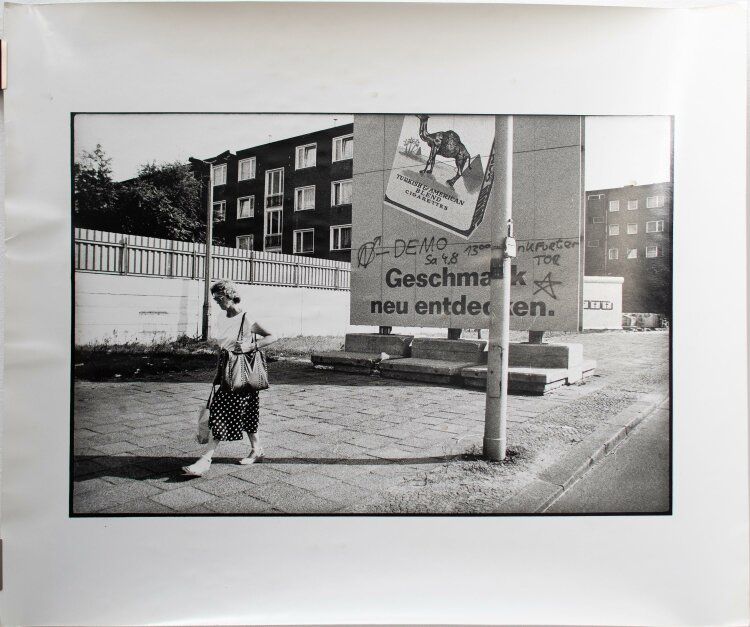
[(427, 370), (377, 343), (364, 351), (448, 350), (345, 361), (531, 380)]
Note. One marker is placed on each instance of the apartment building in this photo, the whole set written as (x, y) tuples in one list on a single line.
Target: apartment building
[(292, 196), (629, 234)]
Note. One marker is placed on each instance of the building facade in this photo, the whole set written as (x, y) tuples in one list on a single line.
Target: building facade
[(629, 234), (292, 196)]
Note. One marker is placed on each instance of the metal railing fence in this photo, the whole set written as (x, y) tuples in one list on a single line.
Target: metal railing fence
[(116, 253)]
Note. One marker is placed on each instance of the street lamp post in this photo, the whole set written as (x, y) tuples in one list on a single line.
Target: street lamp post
[(503, 249), (209, 244), (206, 324)]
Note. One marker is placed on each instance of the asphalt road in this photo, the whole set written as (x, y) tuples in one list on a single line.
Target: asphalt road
[(634, 478)]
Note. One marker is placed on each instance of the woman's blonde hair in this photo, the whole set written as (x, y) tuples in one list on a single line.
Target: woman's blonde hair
[(226, 288)]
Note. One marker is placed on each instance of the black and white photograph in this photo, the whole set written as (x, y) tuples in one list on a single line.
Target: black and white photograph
[(374, 314), (371, 314)]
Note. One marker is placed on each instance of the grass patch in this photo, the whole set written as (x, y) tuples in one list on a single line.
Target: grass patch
[(97, 362)]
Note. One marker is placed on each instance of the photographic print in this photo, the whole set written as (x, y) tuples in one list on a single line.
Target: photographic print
[(290, 314)]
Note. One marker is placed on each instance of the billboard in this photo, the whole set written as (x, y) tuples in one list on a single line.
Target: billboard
[(422, 212)]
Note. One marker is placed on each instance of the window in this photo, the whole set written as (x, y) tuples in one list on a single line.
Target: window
[(272, 230), (632, 253), (306, 156), (246, 207), (614, 229), (632, 205), (303, 241), (614, 253), (632, 229), (247, 169), (341, 237), (652, 202), (220, 174), (597, 220), (593, 243), (304, 198), (220, 211), (275, 188), (245, 242), (341, 193), (343, 147), (614, 205), (655, 226), (595, 196), (652, 251)]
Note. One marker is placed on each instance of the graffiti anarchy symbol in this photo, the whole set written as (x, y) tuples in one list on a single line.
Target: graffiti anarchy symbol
[(368, 251)]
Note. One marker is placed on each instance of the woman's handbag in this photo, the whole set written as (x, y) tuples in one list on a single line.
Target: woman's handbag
[(203, 416), (245, 372), (258, 370)]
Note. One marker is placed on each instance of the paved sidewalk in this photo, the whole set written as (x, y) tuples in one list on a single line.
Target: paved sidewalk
[(340, 443)]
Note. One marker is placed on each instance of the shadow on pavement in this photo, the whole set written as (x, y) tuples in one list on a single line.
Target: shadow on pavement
[(280, 373), (139, 467)]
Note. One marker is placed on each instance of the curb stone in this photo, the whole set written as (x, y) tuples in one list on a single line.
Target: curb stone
[(550, 484)]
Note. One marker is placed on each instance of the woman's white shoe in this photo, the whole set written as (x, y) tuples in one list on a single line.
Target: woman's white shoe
[(254, 456), (198, 469)]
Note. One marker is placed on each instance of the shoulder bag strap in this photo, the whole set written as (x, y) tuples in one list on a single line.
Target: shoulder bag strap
[(242, 325)]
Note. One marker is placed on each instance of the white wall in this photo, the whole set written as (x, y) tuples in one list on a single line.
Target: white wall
[(602, 302), (123, 309)]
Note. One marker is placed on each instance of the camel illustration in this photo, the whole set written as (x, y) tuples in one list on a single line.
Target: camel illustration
[(446, 144)]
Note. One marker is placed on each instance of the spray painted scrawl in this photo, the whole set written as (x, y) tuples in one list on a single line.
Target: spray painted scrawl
[(443, 170)]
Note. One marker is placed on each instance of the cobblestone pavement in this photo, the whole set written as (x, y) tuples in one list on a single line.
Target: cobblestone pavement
[(340, 443)]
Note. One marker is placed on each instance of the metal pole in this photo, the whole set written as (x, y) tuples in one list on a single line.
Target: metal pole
[(209, 240), (496, 408)]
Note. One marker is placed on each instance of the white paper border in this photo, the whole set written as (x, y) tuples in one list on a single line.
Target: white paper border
[(687, 569)]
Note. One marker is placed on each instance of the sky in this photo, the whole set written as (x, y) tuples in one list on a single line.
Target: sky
[(620, 150)]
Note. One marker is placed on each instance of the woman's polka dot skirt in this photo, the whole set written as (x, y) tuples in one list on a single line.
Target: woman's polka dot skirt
[(232, 413)]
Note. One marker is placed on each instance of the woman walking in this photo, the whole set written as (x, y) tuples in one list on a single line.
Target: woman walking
[(232, 413)]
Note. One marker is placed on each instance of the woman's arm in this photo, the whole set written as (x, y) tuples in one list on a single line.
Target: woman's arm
[(266, 338)]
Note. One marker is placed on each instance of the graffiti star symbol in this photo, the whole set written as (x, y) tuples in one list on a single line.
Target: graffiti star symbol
[(547, 285)]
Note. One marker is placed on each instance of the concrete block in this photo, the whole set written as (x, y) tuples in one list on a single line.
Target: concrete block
[(343, 361), (575, 374), (523, 380), (427, 370), (363, 352), (335, 358), (393, 345), (537, 378), (588, 367), (448, 350), (527, 355)]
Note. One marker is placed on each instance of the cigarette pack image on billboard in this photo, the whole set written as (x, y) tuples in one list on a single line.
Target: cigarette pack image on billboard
[(442, 170)]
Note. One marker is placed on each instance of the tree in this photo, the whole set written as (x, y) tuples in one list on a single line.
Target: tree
[(163, 201), (94, 193)]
